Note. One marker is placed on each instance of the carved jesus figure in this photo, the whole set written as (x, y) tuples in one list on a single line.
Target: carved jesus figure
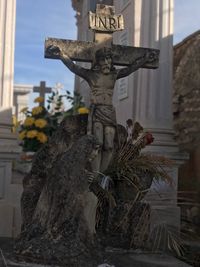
[(101, 79)]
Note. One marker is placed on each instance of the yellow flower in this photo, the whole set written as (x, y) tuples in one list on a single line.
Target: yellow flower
[(22, 135), (83, 110), (39, 99), (23, 110), (29, 121), (31, 134), (42, 137), (40, 123), (37, 110)]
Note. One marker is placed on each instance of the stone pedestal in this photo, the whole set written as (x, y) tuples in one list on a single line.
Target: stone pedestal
[(154, 104), (10, 192)]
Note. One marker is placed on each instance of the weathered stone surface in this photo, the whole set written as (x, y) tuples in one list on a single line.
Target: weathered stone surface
[(58, 231), (123, 226), (54, 199), (67, 134), (187, 92), (84, 52), (70, 130), (186, 102)]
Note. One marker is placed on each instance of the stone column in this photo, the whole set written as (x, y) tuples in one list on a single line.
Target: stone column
[(9, 196), (154, 94), (153, 103), (7, 41)]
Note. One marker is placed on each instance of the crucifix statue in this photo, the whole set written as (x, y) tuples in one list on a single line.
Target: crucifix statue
[(103, 74), (42, 90)]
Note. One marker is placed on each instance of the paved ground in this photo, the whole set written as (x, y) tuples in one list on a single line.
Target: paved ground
[(146, 260), (114, 257)]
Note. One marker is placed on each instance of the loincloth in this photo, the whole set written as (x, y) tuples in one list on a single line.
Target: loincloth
[(105, 114)]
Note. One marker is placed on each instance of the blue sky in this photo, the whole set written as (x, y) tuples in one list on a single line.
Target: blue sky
[(38, 19), (186, 18)]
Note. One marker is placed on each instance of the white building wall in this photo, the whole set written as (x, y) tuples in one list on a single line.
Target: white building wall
[(20, 100), (7, 40), (9, 149)]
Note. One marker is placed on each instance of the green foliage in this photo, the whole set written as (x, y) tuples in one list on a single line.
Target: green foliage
[(40, 122)]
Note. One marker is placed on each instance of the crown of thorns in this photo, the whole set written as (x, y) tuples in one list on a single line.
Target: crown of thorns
[(105, 51)]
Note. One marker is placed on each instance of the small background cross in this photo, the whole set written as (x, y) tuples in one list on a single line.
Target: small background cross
[(42, 90)]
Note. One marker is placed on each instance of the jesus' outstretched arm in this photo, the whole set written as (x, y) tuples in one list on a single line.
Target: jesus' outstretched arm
[(138, 63), (76, 69)]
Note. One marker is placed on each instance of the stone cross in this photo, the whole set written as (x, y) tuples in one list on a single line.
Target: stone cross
[(101, 78), (42, 90), (104, 22)]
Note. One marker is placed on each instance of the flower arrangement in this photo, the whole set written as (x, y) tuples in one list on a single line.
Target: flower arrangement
[(37, 127), (41, 122)]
